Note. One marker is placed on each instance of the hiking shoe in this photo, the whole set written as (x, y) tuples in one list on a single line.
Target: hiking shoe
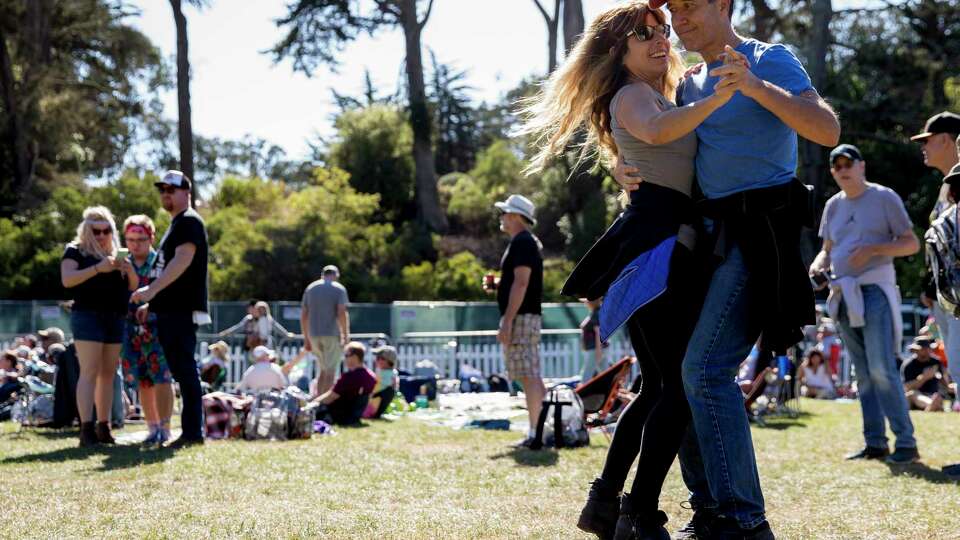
[(698, 528), (724, 528), (88, 435), (869, 452), (600, 513), (903, 456), (183, 442), (102, 431), (952, 470), (637, 525)]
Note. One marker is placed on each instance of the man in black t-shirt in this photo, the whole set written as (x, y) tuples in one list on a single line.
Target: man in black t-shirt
[(519, 293), (179, 298), (922, 376)]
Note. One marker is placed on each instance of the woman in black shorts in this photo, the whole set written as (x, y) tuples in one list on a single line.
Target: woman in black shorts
[(90, 271)]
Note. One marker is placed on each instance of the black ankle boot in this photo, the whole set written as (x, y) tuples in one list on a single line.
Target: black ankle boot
[(599, 514), (635, 524), (88, 435), (103, 433)]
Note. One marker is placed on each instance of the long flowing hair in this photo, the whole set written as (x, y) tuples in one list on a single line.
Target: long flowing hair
[(86, 242), (579, 92)]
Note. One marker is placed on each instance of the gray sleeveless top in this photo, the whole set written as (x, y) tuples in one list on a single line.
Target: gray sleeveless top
[(669, 165)]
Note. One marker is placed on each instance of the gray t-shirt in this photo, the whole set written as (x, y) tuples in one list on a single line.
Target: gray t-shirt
[(321, 299), (877, 216)]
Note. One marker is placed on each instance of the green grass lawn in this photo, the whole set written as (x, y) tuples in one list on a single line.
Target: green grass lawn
[(407, 479)]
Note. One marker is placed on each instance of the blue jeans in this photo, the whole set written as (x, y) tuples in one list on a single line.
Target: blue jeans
[(729, 326), (874, 355)]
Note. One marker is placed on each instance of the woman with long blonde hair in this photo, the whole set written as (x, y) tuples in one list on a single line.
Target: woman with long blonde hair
[(619, 85), (89, 270)]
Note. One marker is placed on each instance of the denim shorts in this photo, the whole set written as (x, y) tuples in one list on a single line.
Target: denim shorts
[(98, 326)]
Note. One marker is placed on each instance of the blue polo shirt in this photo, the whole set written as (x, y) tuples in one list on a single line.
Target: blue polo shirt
[(742, 145)]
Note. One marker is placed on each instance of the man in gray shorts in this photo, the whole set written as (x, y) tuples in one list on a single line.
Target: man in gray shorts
[(325, 324)]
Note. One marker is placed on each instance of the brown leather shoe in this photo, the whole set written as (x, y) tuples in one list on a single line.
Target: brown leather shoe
[(103, 433), (88, 435)]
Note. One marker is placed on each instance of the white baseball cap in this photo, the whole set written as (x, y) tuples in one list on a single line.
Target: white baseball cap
[(261, 350)]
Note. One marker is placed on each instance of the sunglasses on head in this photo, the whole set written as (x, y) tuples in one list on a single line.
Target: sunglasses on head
[(101, 232), (644, 32)]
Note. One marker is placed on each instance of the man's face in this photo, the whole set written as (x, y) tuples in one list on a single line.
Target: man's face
[(698, 23), (939, 150), (847, 171), (174, 198), (923, 353)]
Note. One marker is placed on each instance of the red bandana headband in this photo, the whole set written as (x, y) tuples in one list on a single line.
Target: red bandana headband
[(136, 228)]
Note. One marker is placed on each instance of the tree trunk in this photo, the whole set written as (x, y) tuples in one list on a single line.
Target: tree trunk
[(811, 154), (427, 196), (553, 24), (19, 149), (21, 101), (572, 23), (184, 122), (764, 20)]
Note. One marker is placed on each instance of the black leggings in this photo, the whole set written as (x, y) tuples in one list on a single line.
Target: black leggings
[(653, 425)]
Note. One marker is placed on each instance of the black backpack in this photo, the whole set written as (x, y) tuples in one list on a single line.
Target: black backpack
[(943, 256)]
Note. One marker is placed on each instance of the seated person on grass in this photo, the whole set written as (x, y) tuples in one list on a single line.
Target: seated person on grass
[(815, 378), (264, 374), (922, 377), (388, 381), (8, 375), (213, 368), (345, 402)]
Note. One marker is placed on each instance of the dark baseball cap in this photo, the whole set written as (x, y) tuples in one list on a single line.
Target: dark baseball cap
[(848, 151), (945, 122), (953, 177)]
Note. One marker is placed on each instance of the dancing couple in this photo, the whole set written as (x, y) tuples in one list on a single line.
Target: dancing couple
[(697, 271)]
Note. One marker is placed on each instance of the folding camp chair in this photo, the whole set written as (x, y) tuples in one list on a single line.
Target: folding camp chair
[(599, 394)]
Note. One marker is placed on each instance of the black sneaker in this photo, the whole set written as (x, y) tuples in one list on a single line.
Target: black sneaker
[(724, 528), (903, 456), (527, 442), (869, 452), (698, 528), (952, 471), (636, 525), (183, 442), (600, 513)]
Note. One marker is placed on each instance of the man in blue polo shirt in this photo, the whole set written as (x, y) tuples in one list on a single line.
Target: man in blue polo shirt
[(746, 167)]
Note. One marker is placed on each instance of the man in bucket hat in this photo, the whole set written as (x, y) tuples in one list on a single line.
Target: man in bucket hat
[(519, 292)]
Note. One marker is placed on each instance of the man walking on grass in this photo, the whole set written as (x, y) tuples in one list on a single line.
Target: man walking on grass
[(863, 228), (325, 324)]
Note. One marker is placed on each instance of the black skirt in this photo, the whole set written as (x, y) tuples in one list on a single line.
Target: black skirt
[(654, 214)]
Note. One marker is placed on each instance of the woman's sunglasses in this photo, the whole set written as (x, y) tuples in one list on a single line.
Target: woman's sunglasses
[(645, 31), (101, 232)]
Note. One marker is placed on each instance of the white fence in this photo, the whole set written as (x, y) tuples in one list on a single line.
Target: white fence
[(558, 358)]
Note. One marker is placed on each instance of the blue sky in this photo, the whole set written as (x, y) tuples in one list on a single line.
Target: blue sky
[(237, 90)]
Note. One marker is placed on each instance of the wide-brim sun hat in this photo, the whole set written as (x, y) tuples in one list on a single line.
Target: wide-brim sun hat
[(518, 204)]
